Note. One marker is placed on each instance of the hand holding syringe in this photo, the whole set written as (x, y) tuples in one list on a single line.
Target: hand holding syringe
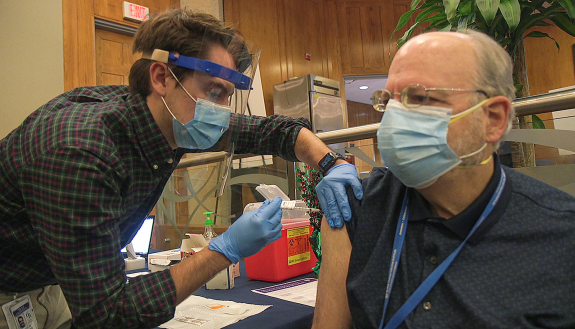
[(291, 205)]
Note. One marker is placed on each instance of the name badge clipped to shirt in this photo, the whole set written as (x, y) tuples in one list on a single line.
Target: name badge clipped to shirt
[(19, 314)]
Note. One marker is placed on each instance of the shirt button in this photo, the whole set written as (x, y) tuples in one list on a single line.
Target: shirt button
[(427, 306), (170, 160), (155, 166), (433, 260)]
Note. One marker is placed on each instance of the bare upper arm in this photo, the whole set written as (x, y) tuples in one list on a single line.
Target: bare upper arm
[(332, 309)]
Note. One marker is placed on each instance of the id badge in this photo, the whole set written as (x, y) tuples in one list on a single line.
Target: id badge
[(19, 314)]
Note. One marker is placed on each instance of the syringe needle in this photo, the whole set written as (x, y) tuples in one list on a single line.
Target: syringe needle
[(291, 205)]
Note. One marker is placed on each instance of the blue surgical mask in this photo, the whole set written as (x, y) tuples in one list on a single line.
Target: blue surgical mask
[(413, 142), (210, 122)]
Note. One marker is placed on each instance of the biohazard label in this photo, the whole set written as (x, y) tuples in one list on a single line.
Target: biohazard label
[(298, 245)]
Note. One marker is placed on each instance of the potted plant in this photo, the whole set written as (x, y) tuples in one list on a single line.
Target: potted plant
[(507, 21)]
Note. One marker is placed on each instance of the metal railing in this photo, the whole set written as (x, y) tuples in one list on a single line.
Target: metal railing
[(545, 103)]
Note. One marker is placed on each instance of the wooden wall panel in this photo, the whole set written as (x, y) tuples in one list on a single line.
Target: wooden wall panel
[(364, 30), (304, 34), (547, 67), (261, 27), (78, 34), (333, 68), (332, 41), (361, 114)]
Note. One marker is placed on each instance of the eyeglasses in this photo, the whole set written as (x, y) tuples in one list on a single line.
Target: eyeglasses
[(411, 96)]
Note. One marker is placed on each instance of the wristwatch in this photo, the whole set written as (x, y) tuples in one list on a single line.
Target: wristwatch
[(328, 161)]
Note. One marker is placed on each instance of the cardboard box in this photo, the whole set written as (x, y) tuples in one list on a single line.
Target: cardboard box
[(223, 280), (191, 244), (162, 260)]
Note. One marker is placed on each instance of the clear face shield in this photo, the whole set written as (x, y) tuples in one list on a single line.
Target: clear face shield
[(221, 82)]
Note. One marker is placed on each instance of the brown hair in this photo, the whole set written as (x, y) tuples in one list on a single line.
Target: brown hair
[(187, 33)]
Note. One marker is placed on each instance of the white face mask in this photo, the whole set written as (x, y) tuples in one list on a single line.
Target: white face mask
[(413, 142)]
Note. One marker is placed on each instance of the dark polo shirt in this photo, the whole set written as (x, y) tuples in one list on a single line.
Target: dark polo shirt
[(516, 271)]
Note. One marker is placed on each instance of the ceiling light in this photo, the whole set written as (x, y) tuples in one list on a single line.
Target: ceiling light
[(363, 87)]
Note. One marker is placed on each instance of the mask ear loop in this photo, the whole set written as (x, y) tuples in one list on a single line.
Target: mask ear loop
[(474, 153), (163, 100), (181, 85)]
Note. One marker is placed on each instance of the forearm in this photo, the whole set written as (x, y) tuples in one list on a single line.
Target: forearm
[(310, 149), (195, 271), (274, 135), (331, 307)]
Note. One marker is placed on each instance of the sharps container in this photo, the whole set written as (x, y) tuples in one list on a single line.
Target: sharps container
[(289, 256)]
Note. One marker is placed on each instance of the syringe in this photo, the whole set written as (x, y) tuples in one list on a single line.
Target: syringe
[(291, 205)]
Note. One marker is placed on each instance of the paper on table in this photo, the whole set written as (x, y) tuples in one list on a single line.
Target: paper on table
[(301, 291), (210, 313), (133, 275)]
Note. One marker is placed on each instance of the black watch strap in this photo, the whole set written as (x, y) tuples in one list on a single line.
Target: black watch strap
[(328, 161)]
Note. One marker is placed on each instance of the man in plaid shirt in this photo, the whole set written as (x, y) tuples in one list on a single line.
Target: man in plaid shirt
[(81, 173)]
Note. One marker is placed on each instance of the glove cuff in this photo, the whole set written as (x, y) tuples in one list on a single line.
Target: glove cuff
[(214, 245)]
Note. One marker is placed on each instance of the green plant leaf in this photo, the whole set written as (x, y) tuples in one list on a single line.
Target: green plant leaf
[(464, 21), (438, 18), (402, 21), (541, 23), (446, 28), (451, 9), (537, 122), (428, 11), (539, 34), (488, 9), (568, 5), (564, 23), (466, 8), (511, 11), (414, 4), (503, 43)]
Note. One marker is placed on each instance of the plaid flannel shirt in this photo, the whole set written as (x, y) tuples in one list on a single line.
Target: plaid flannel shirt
[(78, 177)]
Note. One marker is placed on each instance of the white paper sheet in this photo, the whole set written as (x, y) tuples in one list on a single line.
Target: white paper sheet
[(205, 313), (301, 291)]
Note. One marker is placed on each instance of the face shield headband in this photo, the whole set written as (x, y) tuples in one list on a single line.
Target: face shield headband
[(240, 81)]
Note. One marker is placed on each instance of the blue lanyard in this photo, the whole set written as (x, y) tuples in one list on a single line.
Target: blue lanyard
[(432, 279)]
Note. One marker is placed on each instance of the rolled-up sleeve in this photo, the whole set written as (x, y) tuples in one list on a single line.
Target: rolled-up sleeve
[(275, 135)]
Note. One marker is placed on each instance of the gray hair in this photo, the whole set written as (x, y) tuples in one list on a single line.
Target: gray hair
[(494, 71)]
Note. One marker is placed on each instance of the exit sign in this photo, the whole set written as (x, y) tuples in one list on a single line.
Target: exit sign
[(134, 12)]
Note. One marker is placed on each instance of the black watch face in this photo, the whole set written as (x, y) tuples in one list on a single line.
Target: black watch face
[(327, 159)]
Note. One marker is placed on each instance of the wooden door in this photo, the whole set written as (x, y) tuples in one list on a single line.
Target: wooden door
[(80, 19), (113, 57)]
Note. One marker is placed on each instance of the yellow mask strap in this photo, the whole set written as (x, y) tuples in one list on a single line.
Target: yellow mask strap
[(466, 112), (479, 164)]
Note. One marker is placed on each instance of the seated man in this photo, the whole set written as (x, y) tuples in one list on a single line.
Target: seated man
[(446, 237)]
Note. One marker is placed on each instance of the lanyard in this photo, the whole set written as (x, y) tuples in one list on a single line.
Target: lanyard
[(432, 279)]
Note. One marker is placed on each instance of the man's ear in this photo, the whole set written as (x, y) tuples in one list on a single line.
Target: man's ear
[(158, 77), (497, 109)]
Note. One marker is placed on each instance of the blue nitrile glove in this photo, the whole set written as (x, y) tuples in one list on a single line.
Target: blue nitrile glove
[(332, 196), (251, 232)]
